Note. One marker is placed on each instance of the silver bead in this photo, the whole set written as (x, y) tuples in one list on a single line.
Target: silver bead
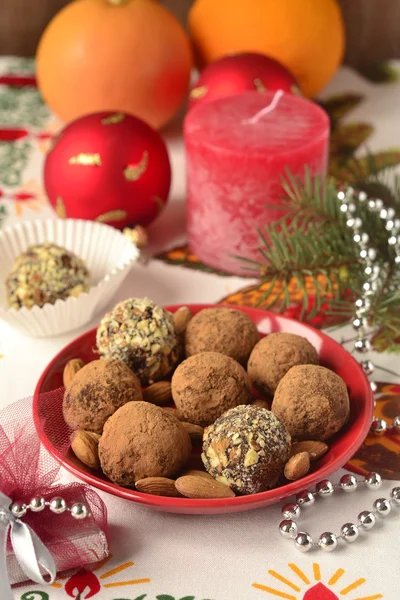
[(324, 488), (357, 238), (396, 424), (373, 481), (341, 196), (305, 498), (350, 222), (288, 528), (349, 532), (391, 212), (362, 196), (372, 253), (396, 223), (363, 304), (389, 225), (374, 386), (58, 505), (37, 504), (383, 214), (348, 483), (397, 259), (363, 254), (357, 223), (382, 507), (392, 241), (328, 541), (344, 207), (303, 541), (352, 209), (360, 323), (368, 270), (378, 426), (291, 511), (364, 238), (367, 519), (368, 367), (395, 494), (378, 204), (371, 204), (19, 510), (362, 346), (79, 511)]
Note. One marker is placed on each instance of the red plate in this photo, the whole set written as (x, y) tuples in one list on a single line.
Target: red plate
[(341, 447)]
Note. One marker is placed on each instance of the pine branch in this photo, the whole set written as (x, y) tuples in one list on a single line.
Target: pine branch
[(310, 251)]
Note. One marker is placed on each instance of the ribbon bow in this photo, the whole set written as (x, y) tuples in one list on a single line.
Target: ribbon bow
[(29, 550)]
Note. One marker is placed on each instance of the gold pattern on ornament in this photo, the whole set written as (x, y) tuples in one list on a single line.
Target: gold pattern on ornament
[(113, 119), (296, 91), (134, 172), (88, 160), (260, 87), (198, 92), (159, 202), (112, 215), (60, 208)]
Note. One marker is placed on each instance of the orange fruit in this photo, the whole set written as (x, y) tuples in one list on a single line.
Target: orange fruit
[(306, 36), (122, 55)]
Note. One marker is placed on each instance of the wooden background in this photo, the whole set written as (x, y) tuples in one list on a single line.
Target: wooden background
[(373, 26)]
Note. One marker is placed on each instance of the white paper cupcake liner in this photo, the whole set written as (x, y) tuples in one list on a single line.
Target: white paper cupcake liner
[(107, 253)]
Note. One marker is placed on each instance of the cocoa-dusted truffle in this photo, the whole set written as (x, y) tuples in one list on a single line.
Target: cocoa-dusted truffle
[(142, 440), (246, 448), (46, 273), (207, 384), (141, 334), (312, 401), (274, 355), (97, 391), (223, 330)]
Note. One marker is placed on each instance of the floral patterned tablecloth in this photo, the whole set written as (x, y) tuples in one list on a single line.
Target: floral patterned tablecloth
[(229, 557)]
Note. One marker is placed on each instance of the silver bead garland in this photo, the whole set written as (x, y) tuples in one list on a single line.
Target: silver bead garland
[(56, 505), (349, 532), (374, 276)]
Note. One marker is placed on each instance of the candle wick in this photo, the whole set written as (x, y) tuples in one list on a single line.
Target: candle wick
[(267, 109)]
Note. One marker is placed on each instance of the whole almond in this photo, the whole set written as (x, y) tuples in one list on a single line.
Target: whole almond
[(197, 486), (197, 472), (158, 486), (297, 466), (86, 447), (70, 370), (195, 431), (158, 393), (181, 319), (315, 449), (173, 411), (261, 403)]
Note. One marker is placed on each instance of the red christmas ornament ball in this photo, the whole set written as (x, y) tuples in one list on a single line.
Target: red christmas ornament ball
[(108, 167), (242, 72)]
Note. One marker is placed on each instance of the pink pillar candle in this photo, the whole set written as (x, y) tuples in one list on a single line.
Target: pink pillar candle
[(235, 164)]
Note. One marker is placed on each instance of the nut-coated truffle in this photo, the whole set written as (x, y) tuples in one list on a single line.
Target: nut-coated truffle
[(97, 391), (142, 334), (246, 448), (142, 440), (207, 384), (44, 274), (312, 401), (274, 355), (223, 330)]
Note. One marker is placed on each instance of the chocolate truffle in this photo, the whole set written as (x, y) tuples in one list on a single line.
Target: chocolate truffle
[(44, 274), (246, 448), (206, 385), (312, 401), (223, 330), (274, 355), (142, 440), (141, 334), (97, 391)]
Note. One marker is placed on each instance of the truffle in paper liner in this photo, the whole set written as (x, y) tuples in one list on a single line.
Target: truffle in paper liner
[(106, 252), (26, 471)]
